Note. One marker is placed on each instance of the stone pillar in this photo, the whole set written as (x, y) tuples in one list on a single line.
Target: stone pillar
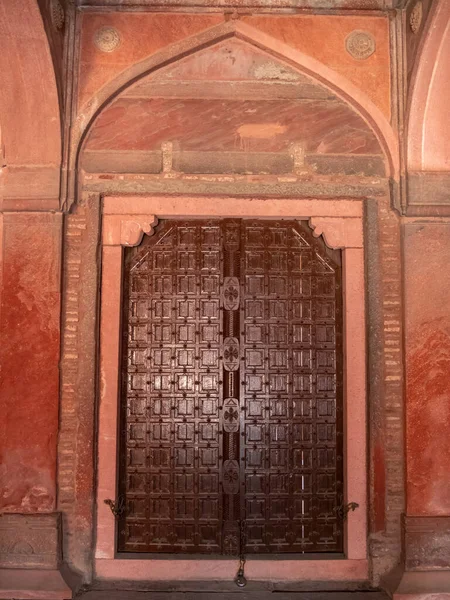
[(427, 339), (30, 275)]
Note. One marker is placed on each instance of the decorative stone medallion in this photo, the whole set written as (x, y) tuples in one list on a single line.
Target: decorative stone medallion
[(107, 39), (360, 45), (415, 18), (57, 14)]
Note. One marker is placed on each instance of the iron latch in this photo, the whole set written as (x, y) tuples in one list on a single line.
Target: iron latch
[(343, 510), (117, 508)]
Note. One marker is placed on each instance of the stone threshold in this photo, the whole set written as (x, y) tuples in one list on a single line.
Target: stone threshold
[(424, 585), (237, 594), (211, 586), (30, 584)]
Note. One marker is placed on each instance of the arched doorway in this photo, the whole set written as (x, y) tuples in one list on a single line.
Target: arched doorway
[(172, 142)]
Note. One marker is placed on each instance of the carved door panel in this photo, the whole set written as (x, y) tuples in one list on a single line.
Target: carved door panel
[(231, 402), (291, 390), (171, 443)]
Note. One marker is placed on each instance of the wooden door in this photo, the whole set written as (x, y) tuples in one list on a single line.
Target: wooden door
[(231, 403)]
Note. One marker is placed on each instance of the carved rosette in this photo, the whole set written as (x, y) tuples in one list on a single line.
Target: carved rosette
[(231, 293), (107, 39), (360, 44), (415, 18), (231, 538), (231, 354), (230, 415), (231, 477), (231, 238)]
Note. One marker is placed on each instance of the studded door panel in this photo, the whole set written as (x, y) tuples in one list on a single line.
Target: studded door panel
[(231, 407), (172, 391), (291, 422)]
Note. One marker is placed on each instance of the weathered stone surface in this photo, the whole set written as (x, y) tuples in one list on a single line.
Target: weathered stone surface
[(347, 164), (249, 594), (427, 543), (302, 32), (231, 60), (29, 106), (232, 162), (429, 190), (386, 387), (122, 162), (76, 441), (283, 120), (30, 541), (424, 585), (239, 185), (97, 68), (29, 355), (314, 4), (428, 142), (204, 124), (33, 584), (427, 290)]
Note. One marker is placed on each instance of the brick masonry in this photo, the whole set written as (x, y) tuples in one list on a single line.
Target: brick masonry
[(386, 429), (76, 450)]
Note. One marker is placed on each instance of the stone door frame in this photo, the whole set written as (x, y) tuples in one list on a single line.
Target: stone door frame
[(125, 220)]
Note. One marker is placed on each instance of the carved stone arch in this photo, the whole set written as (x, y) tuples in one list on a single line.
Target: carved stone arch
[(427, 148), (299, 62)]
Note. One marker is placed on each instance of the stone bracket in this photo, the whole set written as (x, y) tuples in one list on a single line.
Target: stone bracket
[(127, 230), (338, 232)]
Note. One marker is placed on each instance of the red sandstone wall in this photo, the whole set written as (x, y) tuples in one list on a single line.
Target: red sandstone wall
[(427, 322), (29, 356), (30, 290), (322, 37)]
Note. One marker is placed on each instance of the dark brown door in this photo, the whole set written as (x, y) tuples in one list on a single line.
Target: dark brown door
[(231, 405)]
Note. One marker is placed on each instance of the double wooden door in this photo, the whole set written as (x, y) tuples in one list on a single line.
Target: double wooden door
[(231, 396)]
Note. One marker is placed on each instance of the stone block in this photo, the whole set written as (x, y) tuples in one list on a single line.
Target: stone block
[(33, 584), (427, 543), (30, 541)]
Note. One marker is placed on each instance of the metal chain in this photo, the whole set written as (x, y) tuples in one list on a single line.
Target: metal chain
[(240, 580)]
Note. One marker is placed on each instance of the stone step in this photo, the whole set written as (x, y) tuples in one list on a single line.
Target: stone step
[(231, 595), (33, 584)]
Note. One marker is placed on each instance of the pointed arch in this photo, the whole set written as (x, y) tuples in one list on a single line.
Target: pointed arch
[(429, 117), (297, 60)]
